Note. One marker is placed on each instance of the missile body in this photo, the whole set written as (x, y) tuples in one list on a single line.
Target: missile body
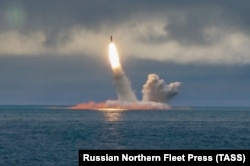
[(111, 39)]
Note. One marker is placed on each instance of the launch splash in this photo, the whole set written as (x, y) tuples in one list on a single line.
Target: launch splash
[(155, 92)]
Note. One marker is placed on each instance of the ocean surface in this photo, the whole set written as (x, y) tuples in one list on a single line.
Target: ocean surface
[(52, 135)]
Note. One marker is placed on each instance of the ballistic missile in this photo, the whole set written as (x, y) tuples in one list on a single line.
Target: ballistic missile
[(111, 39)]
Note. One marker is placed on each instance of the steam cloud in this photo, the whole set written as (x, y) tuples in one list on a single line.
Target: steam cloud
[(155, 89)]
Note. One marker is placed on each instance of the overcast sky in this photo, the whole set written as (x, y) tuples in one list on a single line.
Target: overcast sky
[(55, 52)]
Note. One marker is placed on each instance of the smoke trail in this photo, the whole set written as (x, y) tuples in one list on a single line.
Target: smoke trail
[(122, 84), (155, 89), (123, 87)]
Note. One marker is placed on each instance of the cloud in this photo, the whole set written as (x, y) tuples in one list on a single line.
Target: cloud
[(221, 47), (15, 43), (194, 32), (73, 42)]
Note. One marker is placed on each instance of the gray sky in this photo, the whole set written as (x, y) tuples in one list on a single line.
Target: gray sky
[(55, 52)]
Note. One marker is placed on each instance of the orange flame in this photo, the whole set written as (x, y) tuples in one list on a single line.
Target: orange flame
[(119, 106)]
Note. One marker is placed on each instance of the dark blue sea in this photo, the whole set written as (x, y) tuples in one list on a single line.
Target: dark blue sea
[(52, 135)]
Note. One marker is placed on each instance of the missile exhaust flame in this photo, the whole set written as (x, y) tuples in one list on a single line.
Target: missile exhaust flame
[(113, 57)]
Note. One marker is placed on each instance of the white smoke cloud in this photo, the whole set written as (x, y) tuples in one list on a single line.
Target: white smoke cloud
[(156, 90)]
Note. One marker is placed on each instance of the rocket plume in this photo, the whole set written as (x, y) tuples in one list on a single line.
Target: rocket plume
[(121, 82), (155, 93)]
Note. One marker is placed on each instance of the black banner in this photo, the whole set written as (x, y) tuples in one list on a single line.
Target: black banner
[(164, 157)]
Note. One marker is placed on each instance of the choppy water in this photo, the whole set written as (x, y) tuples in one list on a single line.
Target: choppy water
[(42, 135)]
